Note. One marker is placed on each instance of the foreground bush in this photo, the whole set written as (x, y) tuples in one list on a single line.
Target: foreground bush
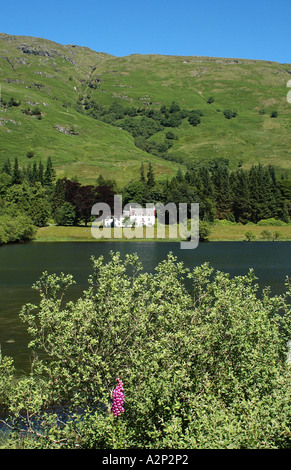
[(201, 357)]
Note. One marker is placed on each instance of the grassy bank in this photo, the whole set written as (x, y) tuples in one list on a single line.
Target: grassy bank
[(237, 232), (82, 233), (234, 232)]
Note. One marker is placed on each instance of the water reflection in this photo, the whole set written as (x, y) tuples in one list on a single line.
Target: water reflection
[(22, 265)]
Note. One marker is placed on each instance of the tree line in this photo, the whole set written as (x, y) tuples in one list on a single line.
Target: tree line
[(31, 197), (239, 196), (24, 199)]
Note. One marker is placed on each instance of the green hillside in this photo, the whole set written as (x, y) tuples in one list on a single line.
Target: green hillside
[(54, 88)]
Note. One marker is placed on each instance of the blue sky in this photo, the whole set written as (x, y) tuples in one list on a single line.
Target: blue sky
[(257, 29)]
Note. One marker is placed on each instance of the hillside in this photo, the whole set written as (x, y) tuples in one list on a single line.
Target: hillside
[(62, 83)]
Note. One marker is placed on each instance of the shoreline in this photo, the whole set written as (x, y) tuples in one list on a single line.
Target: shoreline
[(151, 240), (219, 233)]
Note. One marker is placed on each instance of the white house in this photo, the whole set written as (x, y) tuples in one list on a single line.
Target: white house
[(135, 216)]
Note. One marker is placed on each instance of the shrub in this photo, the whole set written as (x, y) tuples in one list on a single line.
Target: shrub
[(250, 236), (194, 118), (36, 111), (170, 135), (204, 230), (274, 114), (271, 221), (224, 222), (13, 102), (202, 367), (30, 154), (229, 114), (266, 234), (276, 235)]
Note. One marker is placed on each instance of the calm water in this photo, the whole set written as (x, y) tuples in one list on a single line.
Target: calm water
[(22, 265)]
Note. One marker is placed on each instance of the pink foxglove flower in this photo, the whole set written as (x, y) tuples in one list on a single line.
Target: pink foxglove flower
[(118, 399)]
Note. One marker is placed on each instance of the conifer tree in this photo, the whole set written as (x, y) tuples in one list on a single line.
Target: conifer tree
[(34, 174), (142, 176), (28, 173), (49, 173), (100, 181), (7, 168), (241, 200), (207, 185), (222, 190), (16, 175), (264, 193), (180, 176), (254, 194), (274, 201), (150, 177), (40, 173)]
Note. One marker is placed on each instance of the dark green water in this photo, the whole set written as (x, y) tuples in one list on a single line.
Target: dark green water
[(22, 265)]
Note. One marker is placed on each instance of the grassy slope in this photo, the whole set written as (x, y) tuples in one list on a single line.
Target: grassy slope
[(244, 85), (99, 148)]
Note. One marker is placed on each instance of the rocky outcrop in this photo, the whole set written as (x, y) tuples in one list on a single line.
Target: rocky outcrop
[(30, 50), (66, 130), (38, 51)]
